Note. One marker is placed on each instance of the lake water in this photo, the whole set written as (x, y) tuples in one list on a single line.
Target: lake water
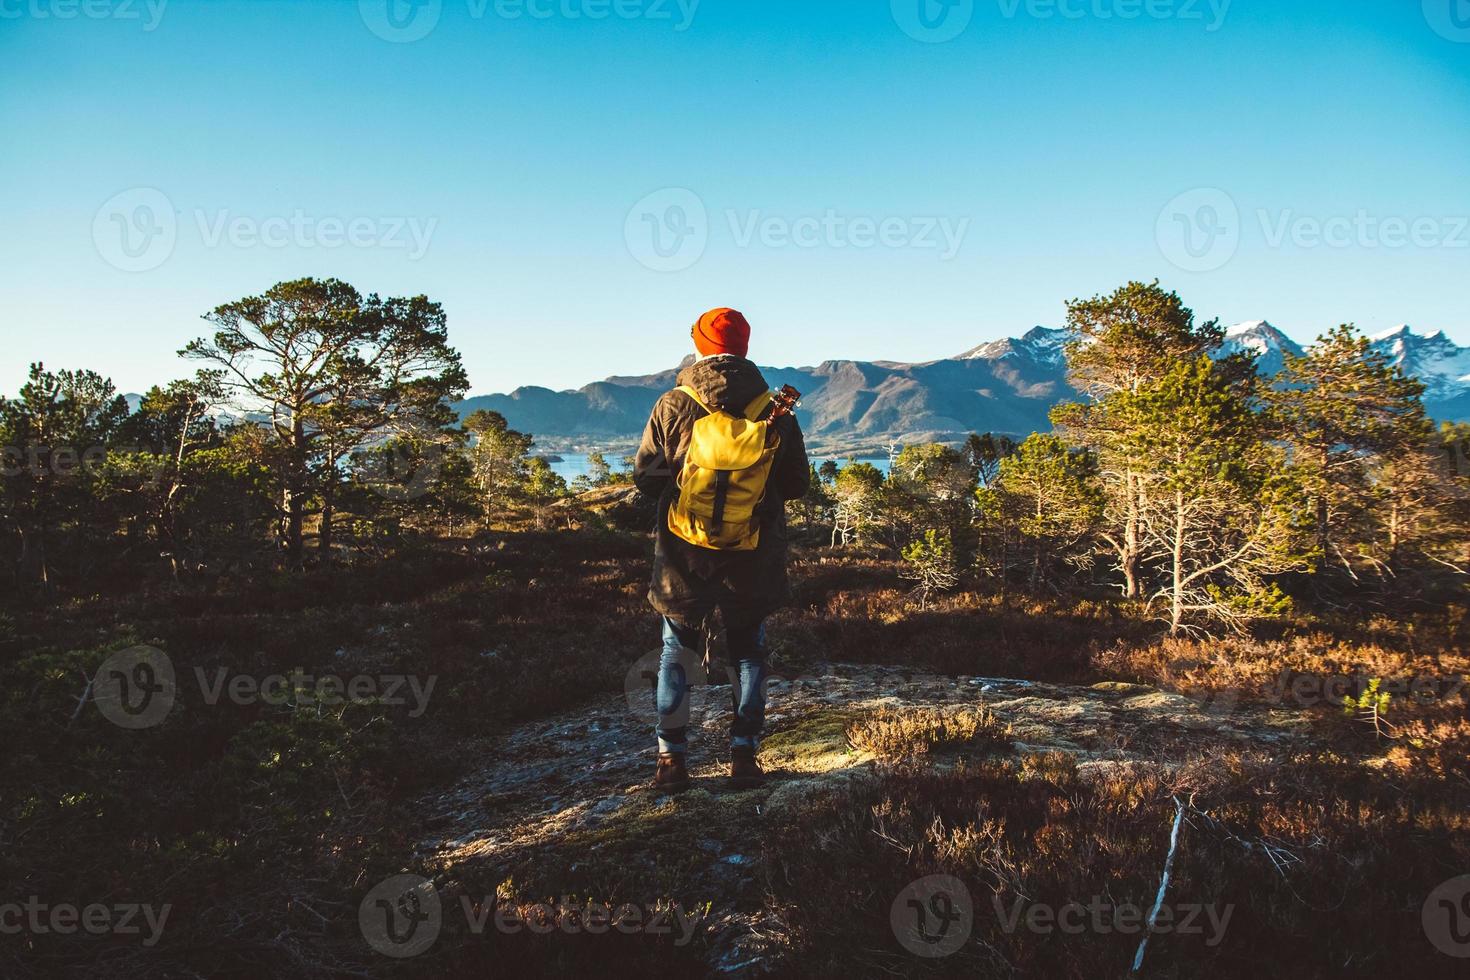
[(573, 465)]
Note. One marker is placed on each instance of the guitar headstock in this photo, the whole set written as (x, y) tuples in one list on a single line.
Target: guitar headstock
[(784, 402)]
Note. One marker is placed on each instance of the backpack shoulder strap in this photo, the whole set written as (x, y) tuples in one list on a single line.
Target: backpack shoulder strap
[(757, 408), (753, 411), (697, 400)]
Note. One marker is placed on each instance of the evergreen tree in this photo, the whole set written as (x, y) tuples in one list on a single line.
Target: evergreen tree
[(498, 459), (1217, 510), (1358, 440), (57, 432), (1049, 493), (984, 454), (149, 474), (931, 564), (1120, 343), (333, 373), (930, 485), (858, 493)]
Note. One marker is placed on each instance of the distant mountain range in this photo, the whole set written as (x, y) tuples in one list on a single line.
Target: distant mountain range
[(847, 406), (1003, 386)]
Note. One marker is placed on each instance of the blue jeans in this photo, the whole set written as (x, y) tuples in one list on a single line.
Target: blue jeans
[(746, 644)]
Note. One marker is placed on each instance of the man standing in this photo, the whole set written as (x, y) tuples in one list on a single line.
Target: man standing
[(721, 461)]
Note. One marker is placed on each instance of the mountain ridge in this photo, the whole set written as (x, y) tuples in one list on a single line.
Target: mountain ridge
[(1006, 386)]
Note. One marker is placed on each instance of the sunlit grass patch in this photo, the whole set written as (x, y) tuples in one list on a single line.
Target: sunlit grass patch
[(902, 733)]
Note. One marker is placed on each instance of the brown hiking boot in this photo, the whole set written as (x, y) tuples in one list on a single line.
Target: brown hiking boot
[(671, 775), (745, 772)]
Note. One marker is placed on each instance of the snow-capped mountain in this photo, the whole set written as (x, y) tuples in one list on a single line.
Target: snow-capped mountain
[(1434, 359), (1259, 337), (1044, 345), (1007, 385)]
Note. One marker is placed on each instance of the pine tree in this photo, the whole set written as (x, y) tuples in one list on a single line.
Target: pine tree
[(334, 373), (931, 564), (1120, 343), (857, 491), (1358, 440), (1218, 512), (498, 459), (56, 431), (1050, 494)]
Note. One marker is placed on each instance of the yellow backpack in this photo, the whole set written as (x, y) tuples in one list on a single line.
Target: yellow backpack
[(724, 477)]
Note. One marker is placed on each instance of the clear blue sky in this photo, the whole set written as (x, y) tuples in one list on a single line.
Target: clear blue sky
[(1055, 138)]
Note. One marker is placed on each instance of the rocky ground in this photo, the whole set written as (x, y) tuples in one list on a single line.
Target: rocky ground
[(563, 806)]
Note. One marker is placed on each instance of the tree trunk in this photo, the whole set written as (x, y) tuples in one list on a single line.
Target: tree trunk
[(1176, 609), (294, 496), (293, 503), (1324, 515), (329, 509), (1395, 518), (33, 555), (1036, 559), (1132, 588)]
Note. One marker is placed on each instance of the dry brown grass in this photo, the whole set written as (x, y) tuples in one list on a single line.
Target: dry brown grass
[(894, 734), (1323, 865)]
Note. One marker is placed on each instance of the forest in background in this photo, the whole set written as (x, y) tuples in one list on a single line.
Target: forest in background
[(1187, 524)]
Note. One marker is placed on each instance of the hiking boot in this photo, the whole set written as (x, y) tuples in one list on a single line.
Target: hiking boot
[(745, 772), (671, 775)]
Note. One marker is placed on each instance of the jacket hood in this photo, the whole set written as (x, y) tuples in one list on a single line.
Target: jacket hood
[(725, 381)]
